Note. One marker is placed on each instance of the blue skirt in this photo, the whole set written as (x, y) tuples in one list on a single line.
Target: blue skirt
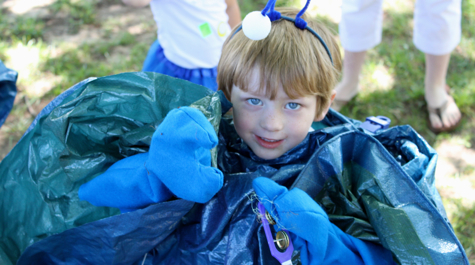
[(158, 63)]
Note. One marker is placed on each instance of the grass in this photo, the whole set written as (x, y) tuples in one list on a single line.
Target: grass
[(44, 49), (94, 59), (78, 12), (464, 230)]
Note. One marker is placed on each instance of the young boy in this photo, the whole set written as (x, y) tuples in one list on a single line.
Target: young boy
[(278, 87)]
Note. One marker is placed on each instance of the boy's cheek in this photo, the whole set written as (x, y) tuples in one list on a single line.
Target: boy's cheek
[(239, 122), (239, 113), (242, 123)]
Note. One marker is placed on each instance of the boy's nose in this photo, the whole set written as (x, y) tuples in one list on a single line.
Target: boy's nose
[(272, 121)]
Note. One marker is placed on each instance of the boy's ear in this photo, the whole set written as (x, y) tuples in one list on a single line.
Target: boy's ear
[(325, 110)]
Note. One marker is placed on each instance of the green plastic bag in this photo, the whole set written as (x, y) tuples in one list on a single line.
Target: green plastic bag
[(100, 122)]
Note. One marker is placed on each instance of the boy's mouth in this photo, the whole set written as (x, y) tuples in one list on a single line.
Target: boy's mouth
[(268, 143)]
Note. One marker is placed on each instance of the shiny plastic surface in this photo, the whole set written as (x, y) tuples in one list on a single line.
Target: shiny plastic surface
[(377, 187)]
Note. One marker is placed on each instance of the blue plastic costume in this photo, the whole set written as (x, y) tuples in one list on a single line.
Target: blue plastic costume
[(223, 230), (318, 240)]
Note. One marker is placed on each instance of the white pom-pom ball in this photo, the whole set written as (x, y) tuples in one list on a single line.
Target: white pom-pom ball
[(256, 26)]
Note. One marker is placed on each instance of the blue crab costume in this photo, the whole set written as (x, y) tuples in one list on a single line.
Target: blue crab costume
[(378, 187)]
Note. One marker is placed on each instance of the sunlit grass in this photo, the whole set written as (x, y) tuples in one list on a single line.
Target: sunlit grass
[(461, 215), (467, 48), (12, 131), (78, 12), (100, 58), (20, 27), (376, 76), (399, 6), (27, 60)]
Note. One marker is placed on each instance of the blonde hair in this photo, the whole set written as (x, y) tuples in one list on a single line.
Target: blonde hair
[(289, 56)]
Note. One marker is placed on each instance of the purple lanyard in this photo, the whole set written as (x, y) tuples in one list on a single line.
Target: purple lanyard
[(285, 258)]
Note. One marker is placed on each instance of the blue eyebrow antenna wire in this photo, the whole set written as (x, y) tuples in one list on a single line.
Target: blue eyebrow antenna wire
[(273, 15)]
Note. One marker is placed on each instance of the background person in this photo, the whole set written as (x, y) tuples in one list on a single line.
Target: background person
[(437, 31), (190, 37)]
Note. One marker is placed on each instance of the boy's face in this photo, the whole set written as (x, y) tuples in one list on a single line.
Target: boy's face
[(271, 127)]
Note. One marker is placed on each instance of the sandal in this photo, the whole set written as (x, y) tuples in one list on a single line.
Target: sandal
[(438, 111)]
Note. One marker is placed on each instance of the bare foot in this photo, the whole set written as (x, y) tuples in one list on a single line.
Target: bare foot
[(444, 117)]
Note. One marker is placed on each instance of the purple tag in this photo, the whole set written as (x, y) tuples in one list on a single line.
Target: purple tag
[(282, 257)]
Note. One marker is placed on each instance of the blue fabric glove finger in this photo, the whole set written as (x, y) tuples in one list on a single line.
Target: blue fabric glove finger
[(269, 193), (290, 209), (180, 155), (319, 241), (126, 185)]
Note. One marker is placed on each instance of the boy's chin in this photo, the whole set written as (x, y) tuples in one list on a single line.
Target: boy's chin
[(267, 154)]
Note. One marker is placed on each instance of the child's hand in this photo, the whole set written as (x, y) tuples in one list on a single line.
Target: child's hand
[(178, 162), (126, 185), (319, 241), (180, 155)]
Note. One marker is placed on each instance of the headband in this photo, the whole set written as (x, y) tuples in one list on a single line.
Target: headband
[(257, 24)]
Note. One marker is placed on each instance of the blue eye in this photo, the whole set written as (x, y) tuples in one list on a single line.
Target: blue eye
[(254, 101), (293, 106)]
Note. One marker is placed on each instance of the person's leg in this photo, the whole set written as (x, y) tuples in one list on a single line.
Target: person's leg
[(436, 94), (360, 29), (348, 86), (437, 31)]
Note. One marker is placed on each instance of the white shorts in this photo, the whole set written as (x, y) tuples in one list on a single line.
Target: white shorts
[(437, 25)]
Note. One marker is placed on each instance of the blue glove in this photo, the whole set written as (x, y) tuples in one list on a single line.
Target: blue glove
[(178, 162), (180, 155), (319, 241), (126, 185)]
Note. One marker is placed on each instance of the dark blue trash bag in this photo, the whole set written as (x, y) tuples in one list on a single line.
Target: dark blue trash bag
[(377, 186), (8, 79)]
